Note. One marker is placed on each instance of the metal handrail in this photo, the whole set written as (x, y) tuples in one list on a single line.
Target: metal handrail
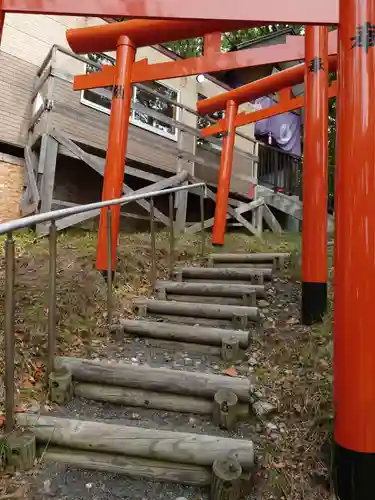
[(9, 227)]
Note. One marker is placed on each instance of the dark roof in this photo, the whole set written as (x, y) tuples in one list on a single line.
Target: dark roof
[(290, 30)]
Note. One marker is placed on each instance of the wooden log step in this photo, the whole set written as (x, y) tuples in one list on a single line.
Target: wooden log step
[(230, 273), (209, 289), (143, 307), (187, 474), (243, 258), (167, 446), (151, 399), (170, 331), (228, 301), (203, 385)]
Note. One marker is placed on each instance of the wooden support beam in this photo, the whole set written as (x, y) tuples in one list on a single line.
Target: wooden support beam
[(271, 220), (247, 207), (169, 446), (30, 199), (98, 165), (232, 212), (195, 228), (203, 385), (47, 169)]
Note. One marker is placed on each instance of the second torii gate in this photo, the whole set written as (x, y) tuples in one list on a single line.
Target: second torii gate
[(315, 173)]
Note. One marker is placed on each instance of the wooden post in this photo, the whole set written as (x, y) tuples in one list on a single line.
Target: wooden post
[(46, 173), (225, 413), (257, 279), (186, 143), (21, 450), (230, 349), (226, 483), (250, 299), (240, 321), (60, 386)]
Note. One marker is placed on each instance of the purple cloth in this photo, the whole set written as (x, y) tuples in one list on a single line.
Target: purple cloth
[(285, 129)]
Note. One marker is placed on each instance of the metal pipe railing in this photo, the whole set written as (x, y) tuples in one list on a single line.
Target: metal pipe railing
[(51, 217)]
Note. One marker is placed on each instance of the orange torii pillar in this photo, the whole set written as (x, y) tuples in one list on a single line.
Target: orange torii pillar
[(225, 173), (354, 336), (117, 142), (315, 176)]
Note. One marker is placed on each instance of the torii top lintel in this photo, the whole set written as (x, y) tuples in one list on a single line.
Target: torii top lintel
[(266, 12), (144, 32)]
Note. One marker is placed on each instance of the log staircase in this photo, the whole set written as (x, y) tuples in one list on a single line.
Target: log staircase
[(205, 313)]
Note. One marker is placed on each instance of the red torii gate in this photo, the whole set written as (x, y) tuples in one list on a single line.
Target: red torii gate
[(354, 367)]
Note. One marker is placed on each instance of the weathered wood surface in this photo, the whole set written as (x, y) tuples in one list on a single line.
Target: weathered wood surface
[(234, 273), (251, 265), (60, 387), (225, 414), (188, 474), (149, 399), (213, 311), (194, 299), (180, 447), (244, 258), (195, 334), (209, 289), (98, 164), (271, 220), (20, 450), (173, 346), (226, 482), (199, 384), (233, 213), (230, 349)]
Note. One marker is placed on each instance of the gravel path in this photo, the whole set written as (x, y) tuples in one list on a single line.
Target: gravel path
[(61, 482)]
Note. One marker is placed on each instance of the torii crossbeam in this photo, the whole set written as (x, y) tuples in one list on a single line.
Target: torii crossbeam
[(270, 12)]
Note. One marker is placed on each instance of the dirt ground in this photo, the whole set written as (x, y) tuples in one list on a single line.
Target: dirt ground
[(290, 363)]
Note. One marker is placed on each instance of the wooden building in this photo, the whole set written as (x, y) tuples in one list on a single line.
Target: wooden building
[(62, 134)]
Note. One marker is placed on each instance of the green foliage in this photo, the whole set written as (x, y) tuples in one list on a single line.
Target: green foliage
[(331, 139)]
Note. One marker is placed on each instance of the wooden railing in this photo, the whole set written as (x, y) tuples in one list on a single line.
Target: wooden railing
[(279, 170)]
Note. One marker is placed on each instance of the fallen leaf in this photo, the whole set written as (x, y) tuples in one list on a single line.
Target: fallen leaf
[(231, 372)]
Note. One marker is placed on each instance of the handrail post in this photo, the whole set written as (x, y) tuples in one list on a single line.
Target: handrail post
[(203, 234), (52, 298), (9, 332), (153, 244), (171, 235), (109, 267)]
